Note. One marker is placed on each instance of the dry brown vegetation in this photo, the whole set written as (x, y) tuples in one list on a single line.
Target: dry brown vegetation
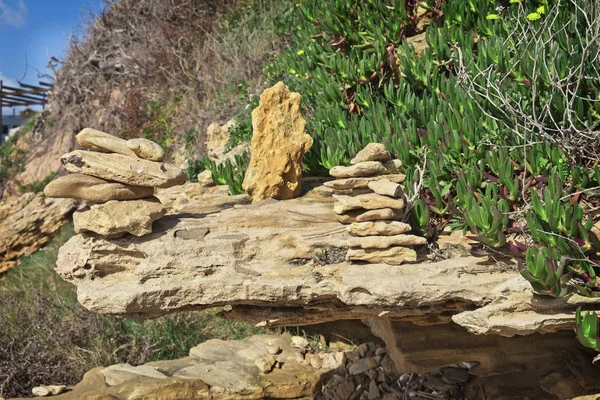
[(156, 69)]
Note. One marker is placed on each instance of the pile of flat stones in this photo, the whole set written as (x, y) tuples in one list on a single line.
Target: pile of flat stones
[(117, 177), (371, 201)]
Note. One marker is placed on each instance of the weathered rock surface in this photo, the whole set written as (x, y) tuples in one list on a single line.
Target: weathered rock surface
[(384, 242), (374, 228), (381, 214), (372, 152), (27, 223), (389, 255), (385, 187), (217, 136), (215, 369), (95, 140), (362, 169), (146, 149), (369, 201), (118, 217), (86, 187), (130, 170), (259, 259), (278, 144), (358, 183)]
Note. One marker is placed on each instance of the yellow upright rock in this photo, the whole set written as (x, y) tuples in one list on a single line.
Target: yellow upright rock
[(278, 144)]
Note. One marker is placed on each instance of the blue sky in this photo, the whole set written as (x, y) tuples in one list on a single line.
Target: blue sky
[(34, 30)]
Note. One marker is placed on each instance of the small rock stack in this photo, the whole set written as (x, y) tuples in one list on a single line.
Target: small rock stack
[(372, 205), (119, 176)]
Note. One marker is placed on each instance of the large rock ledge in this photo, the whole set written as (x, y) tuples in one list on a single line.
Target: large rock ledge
[(262, 256), (263, 260)]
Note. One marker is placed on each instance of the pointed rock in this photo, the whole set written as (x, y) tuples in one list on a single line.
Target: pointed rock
[(90, 188), (278, 144), (372, 152), (95, 140), (130, 170), (384, 242), (374, 228), (146, 149), (367, 201)]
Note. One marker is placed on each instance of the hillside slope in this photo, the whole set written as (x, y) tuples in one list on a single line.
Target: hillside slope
[(161, 70)]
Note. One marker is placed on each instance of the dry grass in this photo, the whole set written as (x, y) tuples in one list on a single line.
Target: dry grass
[(46, 337)]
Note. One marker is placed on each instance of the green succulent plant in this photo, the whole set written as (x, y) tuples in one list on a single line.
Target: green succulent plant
[(545, 269), (586, 329)]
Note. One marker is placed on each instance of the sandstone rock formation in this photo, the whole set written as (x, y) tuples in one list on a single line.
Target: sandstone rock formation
[(130, 170), (215, 369), (27, 223), (383, 202), (278, 144), (124, 183), (115, 218), (95, 140), (261, 260), (372, 152), (146, 149), (90, 188)]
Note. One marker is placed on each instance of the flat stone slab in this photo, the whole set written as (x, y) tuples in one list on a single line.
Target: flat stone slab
[(130, 170), (370, 201), (372, 152), (256, 256), (374, 228), (384, 242), (90, 188), (95, 140), (115, 218), (358, 183), (146, 149)]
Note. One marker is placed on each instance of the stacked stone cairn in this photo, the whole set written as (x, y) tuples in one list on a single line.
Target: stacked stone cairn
[(371, 201), (117, 177)]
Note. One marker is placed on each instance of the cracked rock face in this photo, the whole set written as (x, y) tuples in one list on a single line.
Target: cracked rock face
[(278, 144), (265, 259), (126, 169), (27, 223)]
